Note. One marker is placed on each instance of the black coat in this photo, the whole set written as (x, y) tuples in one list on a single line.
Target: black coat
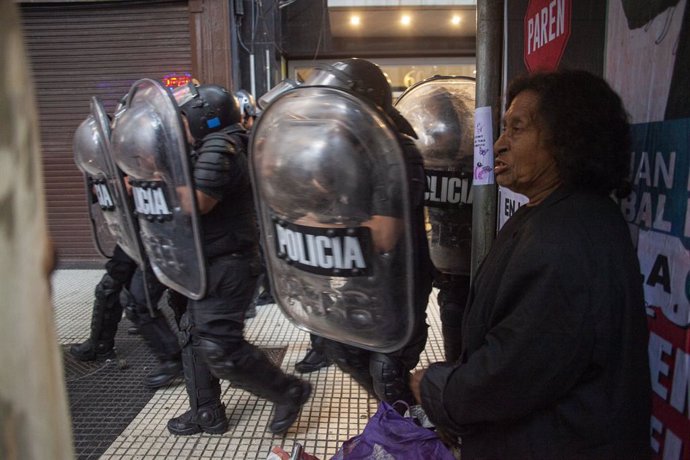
[(554, 362)]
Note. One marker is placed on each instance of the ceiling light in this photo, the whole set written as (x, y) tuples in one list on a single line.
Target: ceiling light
[(455, 20), (405, 20), (355, 20)]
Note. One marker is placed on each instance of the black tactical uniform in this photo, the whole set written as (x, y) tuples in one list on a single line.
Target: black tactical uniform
[(385, 375), (214, 346), (155, 330)]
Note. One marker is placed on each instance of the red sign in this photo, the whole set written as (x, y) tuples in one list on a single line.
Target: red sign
[(546, 30), (172, 81)]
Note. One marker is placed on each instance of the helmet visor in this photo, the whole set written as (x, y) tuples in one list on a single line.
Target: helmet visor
[(327, 76), (282, 87), (184, 94)]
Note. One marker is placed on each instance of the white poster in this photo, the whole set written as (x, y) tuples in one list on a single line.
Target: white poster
[(508, 203), (483, 147)]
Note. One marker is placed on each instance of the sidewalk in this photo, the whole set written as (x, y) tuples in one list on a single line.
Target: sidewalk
[(131, 419)]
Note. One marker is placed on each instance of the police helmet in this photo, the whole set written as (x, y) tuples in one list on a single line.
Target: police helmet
[(247, 103), (208, 108), (358, 75)]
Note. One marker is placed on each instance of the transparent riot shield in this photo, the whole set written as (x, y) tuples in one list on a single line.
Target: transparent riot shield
[(441, 111), (330, 185), (103, 240), (149, 145), (109, 205)]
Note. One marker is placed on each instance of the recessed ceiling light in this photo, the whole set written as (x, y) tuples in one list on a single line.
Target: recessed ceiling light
[(455, 20), (405, 20), (355, 20)]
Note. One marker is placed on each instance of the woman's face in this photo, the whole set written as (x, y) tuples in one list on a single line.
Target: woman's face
[(523, 160)]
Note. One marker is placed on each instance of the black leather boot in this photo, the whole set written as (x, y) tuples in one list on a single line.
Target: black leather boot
[(286, 411), (206, 413), (312, 361), (353, 361), (248, 368), (87, 351), (105, 317), (210, 420), (163, 342)]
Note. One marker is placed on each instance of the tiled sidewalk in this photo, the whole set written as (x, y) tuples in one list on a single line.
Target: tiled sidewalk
[(338, 409)]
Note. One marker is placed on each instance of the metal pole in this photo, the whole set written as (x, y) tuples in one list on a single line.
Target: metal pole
[(489, 72), (234, 48)]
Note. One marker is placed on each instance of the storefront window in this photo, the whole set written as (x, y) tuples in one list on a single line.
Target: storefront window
[(402, 73)]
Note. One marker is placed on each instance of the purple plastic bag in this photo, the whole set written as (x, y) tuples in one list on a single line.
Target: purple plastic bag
[(390, 436)]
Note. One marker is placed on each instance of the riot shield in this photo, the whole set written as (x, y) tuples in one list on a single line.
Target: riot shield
[(149, 145), (330, 185), (103, 240), (441, 111), (109, 206)]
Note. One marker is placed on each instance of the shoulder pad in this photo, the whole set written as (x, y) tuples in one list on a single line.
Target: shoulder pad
[(213, 161)]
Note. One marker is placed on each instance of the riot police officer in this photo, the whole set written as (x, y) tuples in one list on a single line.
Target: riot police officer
[(92, 150), (248, 113), (107, 309), (385, 374), (214, 346), (441, 110), (248, 109)]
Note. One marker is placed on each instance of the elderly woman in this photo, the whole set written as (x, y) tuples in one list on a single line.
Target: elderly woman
[(554, 362)]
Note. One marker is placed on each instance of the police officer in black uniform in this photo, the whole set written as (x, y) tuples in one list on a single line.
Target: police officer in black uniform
[(248, 113), (107, 309), (214, 346), (385, 375), (441, 109), (248, 109), (122, 285)]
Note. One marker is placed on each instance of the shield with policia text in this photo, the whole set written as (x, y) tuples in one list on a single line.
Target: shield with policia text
[(149, 145), (441, 111), (330, 182), (110, 208)]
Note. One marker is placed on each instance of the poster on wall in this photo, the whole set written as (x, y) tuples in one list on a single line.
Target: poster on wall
[(642, 48), (551, 34), (647, 63)]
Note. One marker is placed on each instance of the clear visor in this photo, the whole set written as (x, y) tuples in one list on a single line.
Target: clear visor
[(184, 94), (282, 87)]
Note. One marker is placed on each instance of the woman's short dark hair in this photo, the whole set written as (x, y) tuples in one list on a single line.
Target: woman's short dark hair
[(587, 128)]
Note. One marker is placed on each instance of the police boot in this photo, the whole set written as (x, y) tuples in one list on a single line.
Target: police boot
[(163, 342), (88, 351), (390, 379), (315, 358), (312, 361), (206, 413), (106, 315), (249, 369), (451, 329), (352, 361)]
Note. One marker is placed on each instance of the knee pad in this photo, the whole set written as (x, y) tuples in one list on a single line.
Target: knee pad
[(223, 364), (390, 378), (107, 287)]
